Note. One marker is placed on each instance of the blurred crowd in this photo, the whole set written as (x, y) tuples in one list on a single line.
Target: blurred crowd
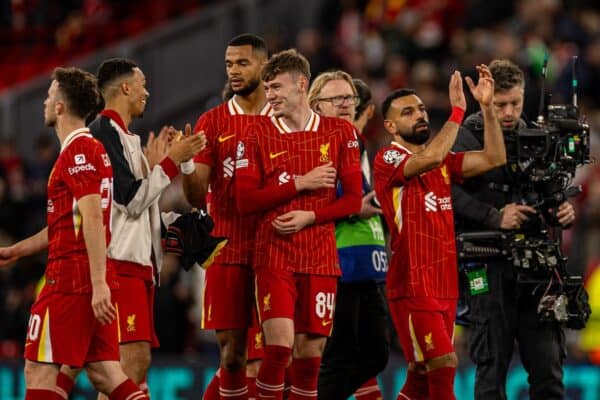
[(389, 44)]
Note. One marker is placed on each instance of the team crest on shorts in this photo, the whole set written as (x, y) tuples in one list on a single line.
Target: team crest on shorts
[(267, 302), (131, 323), (429, 341)]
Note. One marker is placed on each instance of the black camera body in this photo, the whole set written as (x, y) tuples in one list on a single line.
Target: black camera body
[(543, 160)]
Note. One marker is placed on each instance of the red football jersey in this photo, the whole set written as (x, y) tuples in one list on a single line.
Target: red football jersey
[(418, 212), (222, 126), (273, 155), (82, 168)]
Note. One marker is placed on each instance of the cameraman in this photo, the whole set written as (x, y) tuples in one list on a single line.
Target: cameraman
[(507, 311)]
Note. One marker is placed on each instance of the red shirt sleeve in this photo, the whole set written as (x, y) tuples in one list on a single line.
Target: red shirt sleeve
[(250, 194), (389, 167), (349, 203), (206, 155), (454, 162)]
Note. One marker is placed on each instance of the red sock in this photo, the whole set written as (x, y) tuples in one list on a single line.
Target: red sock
[(251, 382), (64, 384), (212, 390), (441, 383), (415, 387), (232, 385), (369, 391), (305, 374), (287, 381), (42, 394), (127, 391), (269, 382), (144, 386)]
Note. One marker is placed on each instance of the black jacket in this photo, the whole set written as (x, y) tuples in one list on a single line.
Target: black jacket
[(477, 201)]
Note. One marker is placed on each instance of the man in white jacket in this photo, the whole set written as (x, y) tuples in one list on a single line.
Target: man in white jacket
[(139, 180)]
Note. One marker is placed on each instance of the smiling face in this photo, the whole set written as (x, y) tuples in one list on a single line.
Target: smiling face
[(243, 65), (138, 95), (407, 119), (285, 92), (336, 99)]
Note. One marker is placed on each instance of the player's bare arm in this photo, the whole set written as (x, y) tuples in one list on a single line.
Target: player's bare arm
[(195, 185), (323, 176), (435, 152), (95, 244), (493, 154), (26, 247)]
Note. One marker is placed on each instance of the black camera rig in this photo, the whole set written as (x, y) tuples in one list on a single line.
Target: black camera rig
[(544, 160)]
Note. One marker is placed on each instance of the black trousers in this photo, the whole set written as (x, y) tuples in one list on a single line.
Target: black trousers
[(358, 348), (508, 312)]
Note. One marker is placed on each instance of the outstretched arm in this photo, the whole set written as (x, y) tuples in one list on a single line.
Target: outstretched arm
[(437, 150), (26, 247), (493, 154)]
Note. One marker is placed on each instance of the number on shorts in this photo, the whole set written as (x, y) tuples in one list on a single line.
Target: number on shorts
[(34, 327), (380, 262), (325, 302)]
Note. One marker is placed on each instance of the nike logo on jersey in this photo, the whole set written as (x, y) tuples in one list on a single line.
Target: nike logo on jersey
[(275, 155), (326, 322), (224, 138)]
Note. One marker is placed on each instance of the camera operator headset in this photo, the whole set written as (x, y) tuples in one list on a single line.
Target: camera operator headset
[(502, 311)]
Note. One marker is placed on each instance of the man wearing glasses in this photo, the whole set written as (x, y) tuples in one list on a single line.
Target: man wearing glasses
[(358, 347)]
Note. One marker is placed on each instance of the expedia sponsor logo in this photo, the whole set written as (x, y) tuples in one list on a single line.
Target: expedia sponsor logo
[(81, 168), (352, 144)]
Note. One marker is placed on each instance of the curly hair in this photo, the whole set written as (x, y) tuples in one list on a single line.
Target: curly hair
[(79, 89), (507, 75)]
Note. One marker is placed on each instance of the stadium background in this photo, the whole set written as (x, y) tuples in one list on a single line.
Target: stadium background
[(180, 44)]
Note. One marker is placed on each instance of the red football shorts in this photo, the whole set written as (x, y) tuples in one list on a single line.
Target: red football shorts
[(135, 310), (63, 330), (228, 297), (425, 326), (309, 300)]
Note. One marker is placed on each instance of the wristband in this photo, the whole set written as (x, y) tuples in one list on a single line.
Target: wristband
[(457, 115), (187, 167)]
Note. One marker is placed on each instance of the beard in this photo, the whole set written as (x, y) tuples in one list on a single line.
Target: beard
[(50, 122), (417, 137), (248, 89)]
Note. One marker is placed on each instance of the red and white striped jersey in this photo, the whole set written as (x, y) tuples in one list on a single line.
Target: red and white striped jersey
[(418, 212), (272, 154), (222, 126), (82, 168)]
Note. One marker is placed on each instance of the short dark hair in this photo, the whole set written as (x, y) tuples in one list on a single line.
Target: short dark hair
[(248, 39), (385, 106), (506, 74), (364, 94), (285, 61), (112, 69), (80, 90)]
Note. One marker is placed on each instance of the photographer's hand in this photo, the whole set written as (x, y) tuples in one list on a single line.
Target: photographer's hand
[(566, 213), (513, 215)]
